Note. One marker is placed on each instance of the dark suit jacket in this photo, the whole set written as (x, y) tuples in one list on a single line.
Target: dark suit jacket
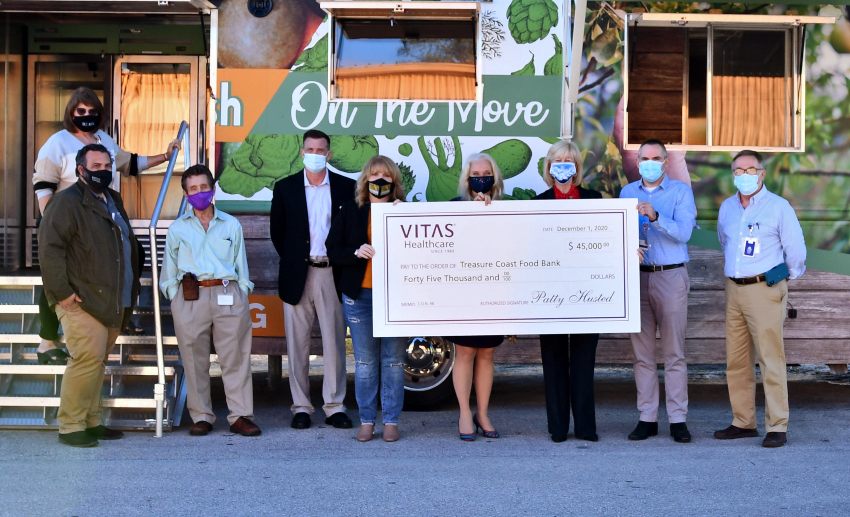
[(289, 228), (583, 193), (348, 232)]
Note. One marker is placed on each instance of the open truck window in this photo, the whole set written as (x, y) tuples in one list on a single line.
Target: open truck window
[(403, 51), (719, 82)]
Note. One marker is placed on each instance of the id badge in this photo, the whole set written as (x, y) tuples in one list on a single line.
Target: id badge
[(751, 247), (225, 299)]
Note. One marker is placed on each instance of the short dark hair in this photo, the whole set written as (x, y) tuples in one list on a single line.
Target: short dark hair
[(654, 141), (81, 154), (749, 152), (82, 95), (196, 170), (315, 133)]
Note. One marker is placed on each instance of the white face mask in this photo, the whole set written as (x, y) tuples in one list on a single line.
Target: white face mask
[(315, 162)]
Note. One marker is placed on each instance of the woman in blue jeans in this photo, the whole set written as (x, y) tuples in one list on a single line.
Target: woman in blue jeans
[(378, 362)]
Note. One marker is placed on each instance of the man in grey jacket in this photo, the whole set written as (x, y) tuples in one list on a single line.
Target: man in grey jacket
[(89, 264)]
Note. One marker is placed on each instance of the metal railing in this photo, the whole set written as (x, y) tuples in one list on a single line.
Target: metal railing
[(159, 388)]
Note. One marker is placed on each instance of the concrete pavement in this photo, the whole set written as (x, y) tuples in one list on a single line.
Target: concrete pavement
[(324, 471)]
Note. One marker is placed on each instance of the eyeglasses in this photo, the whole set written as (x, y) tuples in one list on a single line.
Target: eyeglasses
[(82, 112), (752, 171)]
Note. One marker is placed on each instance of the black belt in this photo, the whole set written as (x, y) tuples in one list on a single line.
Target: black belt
[(316, 263), (653, 269), (749, 280)]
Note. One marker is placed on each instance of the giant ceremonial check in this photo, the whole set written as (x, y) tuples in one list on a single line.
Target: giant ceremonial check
[(513, 267)]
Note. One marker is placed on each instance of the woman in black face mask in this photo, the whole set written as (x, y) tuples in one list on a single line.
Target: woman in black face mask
[(55, 170), (480, 180), (378, 361)]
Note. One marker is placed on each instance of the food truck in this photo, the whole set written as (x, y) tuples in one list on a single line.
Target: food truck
[(426, 83)]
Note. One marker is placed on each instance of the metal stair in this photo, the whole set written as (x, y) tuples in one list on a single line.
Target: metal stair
[(29, 392)]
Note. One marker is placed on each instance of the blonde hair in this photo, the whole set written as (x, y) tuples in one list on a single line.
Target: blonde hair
[(463, 184), (361, 191), (559, 151)]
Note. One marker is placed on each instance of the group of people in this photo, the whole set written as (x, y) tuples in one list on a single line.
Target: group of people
[(320, 226)]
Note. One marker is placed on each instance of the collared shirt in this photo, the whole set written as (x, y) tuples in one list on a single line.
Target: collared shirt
[(669, 234), (217, 253), (768, 218), (318, 213)]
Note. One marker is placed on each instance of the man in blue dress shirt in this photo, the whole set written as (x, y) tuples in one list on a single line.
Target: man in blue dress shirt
[(762, 245), (667, 217)]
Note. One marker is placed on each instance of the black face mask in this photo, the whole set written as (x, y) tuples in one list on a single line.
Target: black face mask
[(380, 188), (98, 181), (481, 184), (87, 123)]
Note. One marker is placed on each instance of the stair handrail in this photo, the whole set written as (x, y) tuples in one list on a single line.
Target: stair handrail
[(159, 388)]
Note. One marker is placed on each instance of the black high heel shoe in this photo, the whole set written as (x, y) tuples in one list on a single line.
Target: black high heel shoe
[(485, 433)]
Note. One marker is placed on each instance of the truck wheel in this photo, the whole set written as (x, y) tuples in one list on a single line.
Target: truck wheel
[(428, 372)]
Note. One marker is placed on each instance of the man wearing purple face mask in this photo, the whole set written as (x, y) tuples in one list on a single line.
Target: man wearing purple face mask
[(205, 275)]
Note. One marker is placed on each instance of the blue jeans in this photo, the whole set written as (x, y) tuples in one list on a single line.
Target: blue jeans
[(376, 360)]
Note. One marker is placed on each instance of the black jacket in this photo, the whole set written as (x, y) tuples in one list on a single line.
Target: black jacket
[(349, 230), (79, 246), (289, 228), (583, 193)]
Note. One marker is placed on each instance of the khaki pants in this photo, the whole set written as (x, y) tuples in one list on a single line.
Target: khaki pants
[(89, 343), (197, 324), (755, 315), (664, 307), (318, 301)]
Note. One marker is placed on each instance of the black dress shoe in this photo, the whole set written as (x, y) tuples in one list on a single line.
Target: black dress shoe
[(200, 428), (245, 427), (680, 433), (644, 430), (339, 420), (588, 437), (558, 438), (78, 439), (732, 432), (774, 439), (300, 421), (102, 432)]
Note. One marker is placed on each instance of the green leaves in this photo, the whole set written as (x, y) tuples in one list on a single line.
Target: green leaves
[(531, 20), (259, 162), (350, 153), (555, 64), (528, 69), (315, 58)]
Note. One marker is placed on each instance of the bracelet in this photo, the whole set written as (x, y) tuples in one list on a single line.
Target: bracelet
[(165, 157)]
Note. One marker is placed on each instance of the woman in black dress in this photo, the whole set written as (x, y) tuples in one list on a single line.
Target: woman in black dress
[(568, 359), (480, 180)]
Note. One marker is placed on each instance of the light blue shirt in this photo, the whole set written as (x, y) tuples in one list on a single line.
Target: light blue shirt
[(768, 218), (668, 235), (217, 253)]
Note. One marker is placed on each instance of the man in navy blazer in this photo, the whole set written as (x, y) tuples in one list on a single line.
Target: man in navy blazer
[(303, 206)]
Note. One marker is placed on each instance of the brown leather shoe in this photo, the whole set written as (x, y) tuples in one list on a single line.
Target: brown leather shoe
[(366, 432), (200, 428), (732, 432), (245, 427), (774, 439), (391, 433)]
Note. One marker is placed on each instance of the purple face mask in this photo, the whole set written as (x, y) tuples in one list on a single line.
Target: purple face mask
[(201, 200)]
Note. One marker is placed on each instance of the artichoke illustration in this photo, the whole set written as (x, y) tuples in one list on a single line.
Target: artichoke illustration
[(531, 20), (259, 162), (408, 179), (350, 153)]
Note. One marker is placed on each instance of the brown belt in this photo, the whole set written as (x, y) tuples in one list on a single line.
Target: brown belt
[(653, 269), (210, 283), (749, 280)]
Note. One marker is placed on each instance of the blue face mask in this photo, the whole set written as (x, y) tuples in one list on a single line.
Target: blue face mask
[(747, 183), (314, 162), (562, 172), (481, 184), (650, 170)]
